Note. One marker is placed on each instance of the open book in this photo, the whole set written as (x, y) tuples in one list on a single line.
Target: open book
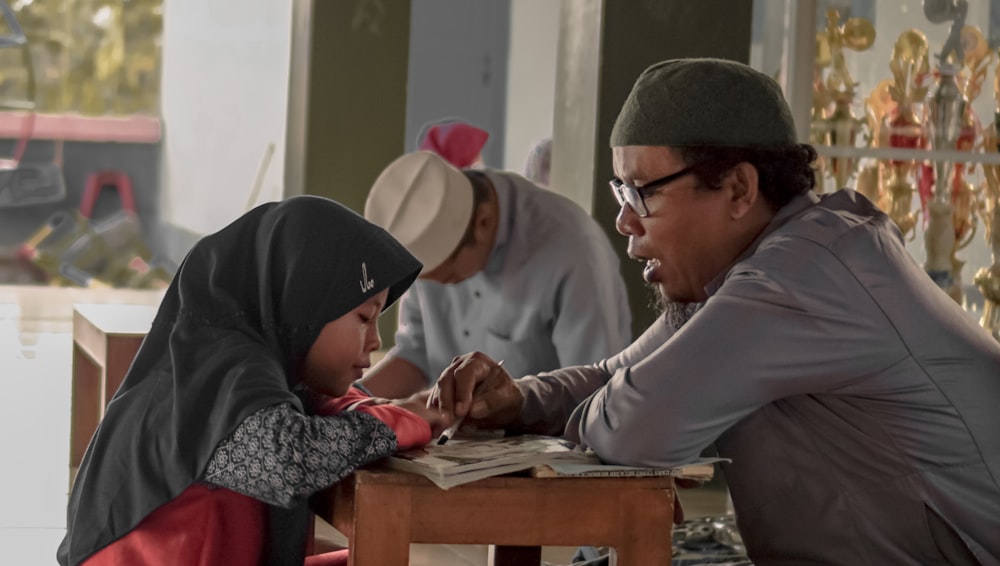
[(701, 470), (465, 460)]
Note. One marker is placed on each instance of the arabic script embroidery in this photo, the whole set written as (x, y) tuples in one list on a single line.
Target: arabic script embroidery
[(366, 283)]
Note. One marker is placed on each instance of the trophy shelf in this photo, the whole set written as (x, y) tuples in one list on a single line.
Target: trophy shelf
[(903, 154), (75, 127)]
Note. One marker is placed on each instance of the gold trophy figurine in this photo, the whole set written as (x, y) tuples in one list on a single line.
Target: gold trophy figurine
[(947, 107), (837, 125), (987, 279), (822, 99), (965, 195), (869, 182), (901, 128)]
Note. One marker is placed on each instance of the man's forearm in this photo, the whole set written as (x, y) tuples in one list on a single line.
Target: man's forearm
[(549, 398)]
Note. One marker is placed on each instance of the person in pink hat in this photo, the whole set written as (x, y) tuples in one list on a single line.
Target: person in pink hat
[(459, 143)]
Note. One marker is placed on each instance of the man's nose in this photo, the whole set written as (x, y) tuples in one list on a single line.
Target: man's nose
[(626, 222)]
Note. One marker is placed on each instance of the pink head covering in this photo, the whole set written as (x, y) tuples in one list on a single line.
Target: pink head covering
[(457, 142)]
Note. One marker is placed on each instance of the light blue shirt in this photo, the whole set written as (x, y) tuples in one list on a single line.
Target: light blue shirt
[(551, 294)]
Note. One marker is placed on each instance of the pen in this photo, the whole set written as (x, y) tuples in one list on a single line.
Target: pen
[(453, 429)]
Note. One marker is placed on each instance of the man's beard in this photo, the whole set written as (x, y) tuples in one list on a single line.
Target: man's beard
[(675, 313)]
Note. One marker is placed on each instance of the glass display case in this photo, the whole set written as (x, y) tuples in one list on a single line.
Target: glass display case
[(901, 99)]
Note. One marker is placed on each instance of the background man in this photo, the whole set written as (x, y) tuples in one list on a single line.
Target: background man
[(509, 268), (856, 400)]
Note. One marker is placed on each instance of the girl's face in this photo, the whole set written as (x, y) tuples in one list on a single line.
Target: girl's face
[(343, 349)]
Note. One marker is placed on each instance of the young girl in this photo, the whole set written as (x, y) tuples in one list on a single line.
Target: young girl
[(228, 419)]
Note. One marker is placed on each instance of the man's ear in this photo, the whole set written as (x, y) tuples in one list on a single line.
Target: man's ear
[(742, 181), (486, 220)]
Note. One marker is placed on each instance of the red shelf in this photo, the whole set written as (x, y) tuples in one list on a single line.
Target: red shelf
[(74, 127)]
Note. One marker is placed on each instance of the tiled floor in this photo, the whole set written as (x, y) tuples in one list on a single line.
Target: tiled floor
[(35, 357)]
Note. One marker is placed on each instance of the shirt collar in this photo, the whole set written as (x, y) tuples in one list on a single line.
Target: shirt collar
[(500, 184), (798, 204)]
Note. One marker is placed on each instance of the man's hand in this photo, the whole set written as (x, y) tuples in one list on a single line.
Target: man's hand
[(477, 388)]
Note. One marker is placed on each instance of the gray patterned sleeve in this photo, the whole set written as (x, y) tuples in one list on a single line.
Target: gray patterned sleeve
[(281, 456)]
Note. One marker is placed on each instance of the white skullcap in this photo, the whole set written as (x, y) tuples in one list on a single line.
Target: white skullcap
[(425, 203)]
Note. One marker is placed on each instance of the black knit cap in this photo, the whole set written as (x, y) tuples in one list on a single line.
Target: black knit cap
[(704, 102)]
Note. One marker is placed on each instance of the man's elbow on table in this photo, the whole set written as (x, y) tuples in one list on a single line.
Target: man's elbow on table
[(630, 439)]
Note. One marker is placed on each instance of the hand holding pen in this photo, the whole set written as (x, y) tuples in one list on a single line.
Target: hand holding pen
[(451, 431), (477, 388)]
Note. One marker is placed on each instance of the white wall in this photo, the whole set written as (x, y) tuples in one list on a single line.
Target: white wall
[(224, 99), (531, 77)]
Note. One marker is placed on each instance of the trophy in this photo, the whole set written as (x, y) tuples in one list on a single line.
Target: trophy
[(987, 279), (900, 127), (965, 195), (947, 112), (834, 124), (877, 106)]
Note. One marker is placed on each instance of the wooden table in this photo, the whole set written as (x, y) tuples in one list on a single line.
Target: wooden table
[(382, 511), (105, 339)]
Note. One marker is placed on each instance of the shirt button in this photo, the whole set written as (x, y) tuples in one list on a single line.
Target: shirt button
[(477, 294), (465, 332)]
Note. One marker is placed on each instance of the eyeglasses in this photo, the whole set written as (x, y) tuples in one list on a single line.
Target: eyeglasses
[(636, 197)]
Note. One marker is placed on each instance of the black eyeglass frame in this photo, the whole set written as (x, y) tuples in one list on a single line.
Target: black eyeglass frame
[(636, 197)]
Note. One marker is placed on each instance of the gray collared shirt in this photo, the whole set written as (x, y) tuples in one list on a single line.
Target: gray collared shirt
[(859, 404)]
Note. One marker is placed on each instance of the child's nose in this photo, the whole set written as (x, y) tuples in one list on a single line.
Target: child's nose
[(374, 340)]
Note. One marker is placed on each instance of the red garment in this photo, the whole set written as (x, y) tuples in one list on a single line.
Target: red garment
[(203, 526), (411, 430), (207, 526)]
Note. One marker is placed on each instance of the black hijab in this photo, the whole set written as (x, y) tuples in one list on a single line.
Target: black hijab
[(238, 318)]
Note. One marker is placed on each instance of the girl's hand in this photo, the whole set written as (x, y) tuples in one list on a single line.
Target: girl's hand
[(417, 404)]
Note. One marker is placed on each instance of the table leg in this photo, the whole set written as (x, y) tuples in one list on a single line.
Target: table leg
[(86, 405), (500, 555), (381, 534), (638, 511)]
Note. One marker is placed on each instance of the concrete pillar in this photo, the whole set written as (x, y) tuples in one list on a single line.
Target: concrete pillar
[(347, 96)]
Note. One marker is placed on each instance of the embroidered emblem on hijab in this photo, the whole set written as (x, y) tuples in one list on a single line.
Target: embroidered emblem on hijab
[(366, 283)]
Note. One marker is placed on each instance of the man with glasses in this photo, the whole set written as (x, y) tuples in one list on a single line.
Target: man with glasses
[(509, 268), (857, 401)]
